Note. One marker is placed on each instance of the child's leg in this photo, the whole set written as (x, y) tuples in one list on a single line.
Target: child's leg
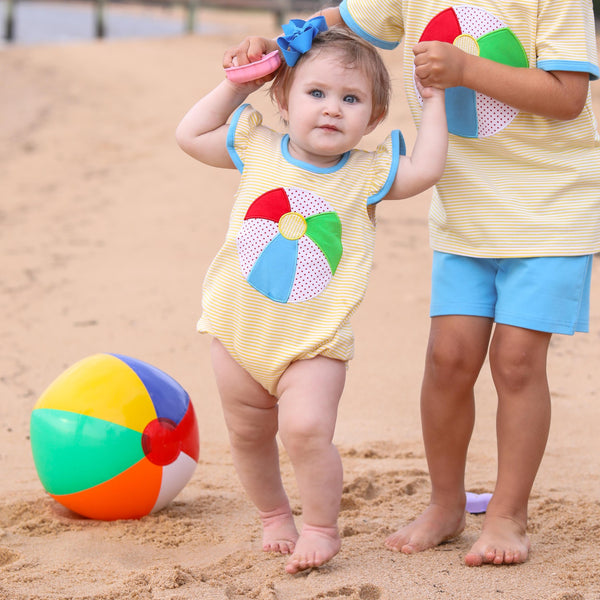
[(518, 365), (309, 392), (456, 351), (251, 418)]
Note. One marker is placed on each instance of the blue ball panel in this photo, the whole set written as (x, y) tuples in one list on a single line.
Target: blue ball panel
[(170, 400), (461, 109)]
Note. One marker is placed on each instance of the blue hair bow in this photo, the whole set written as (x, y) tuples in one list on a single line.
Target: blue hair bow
[(298, 37)]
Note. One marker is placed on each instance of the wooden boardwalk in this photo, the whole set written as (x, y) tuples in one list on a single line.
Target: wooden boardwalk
[(281, 10)]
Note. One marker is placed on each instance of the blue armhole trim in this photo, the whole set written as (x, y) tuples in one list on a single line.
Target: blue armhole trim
[(235, 157), (570, 65), (349, 20), (398, 150)]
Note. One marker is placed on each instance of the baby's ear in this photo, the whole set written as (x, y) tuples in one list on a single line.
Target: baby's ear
[(373, 124), (283, 111)]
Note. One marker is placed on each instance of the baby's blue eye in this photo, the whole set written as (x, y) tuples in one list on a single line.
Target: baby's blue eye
[(350, 99), (317, 93)]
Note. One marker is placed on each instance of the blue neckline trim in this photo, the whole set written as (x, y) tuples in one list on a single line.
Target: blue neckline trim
[(349, 20), (398, 150), (570, 65), (307, 166)]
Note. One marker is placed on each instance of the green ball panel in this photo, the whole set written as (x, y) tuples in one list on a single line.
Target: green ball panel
[(73, 452), (325, 230), (504, 47)]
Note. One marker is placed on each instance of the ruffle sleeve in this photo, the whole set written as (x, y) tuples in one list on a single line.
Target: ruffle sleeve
[(244, 123), (386, 158)]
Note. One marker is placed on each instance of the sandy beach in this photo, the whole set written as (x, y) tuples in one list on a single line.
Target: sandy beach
[(106, 231)]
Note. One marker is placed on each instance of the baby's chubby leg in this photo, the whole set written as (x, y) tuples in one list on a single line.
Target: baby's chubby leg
[(251, 416), (309, 393)]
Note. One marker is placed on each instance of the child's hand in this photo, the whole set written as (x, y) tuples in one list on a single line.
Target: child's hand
[(428, 92), (439, 64), (250, 50)]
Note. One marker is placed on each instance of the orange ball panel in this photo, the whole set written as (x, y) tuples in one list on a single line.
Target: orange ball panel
[(130, 495)]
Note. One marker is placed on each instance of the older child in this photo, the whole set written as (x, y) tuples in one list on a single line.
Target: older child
[(514, 223), (279, 295)]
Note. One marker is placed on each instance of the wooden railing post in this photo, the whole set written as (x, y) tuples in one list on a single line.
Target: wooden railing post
[(190, 23), (282, 10), (9, 21), (99, 25)]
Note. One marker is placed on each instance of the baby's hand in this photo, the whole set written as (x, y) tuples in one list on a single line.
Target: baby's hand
[(251, 49), (427, 92)]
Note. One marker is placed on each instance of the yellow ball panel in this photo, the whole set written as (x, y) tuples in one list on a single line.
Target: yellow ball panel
[(104, 387)]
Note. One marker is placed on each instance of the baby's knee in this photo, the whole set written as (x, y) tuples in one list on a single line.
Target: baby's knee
[(250, 434), (304, 435)]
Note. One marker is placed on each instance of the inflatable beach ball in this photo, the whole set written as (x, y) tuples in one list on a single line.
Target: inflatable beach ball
[(290, 244), (476, 31), (114, 438)]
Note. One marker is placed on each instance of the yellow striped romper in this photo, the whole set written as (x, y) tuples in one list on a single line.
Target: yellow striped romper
[(298, 251)]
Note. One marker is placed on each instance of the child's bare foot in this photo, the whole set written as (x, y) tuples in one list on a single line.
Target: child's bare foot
[(503, 541), (279, 531), (435, 525), (315, 547)]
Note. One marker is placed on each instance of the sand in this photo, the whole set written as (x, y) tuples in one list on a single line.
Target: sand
[(106, 230)]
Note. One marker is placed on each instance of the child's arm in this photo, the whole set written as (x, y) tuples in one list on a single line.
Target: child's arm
[(202, 132), (555, 94), (425, 166)]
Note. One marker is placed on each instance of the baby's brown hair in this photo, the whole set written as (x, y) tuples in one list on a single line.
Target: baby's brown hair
[(355, 53)]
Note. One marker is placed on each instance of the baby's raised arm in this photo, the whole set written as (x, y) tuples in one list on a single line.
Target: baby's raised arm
[(202, 132), (425, 166)]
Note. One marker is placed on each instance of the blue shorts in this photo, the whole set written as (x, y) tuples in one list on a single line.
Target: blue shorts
[(549, 294)]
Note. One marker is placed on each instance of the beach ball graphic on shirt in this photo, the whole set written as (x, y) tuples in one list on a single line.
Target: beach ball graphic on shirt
[(476, 31), (290, 244)]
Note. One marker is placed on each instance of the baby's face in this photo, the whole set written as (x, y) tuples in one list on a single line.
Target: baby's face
[(328, 109)]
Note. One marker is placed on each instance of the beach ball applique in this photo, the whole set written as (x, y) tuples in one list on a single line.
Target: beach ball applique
[(290, 244), (474, 30)]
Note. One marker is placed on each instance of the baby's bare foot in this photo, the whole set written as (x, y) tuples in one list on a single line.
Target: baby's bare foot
[(435, 525), (314, 548), (503, 541), (279, 531)]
